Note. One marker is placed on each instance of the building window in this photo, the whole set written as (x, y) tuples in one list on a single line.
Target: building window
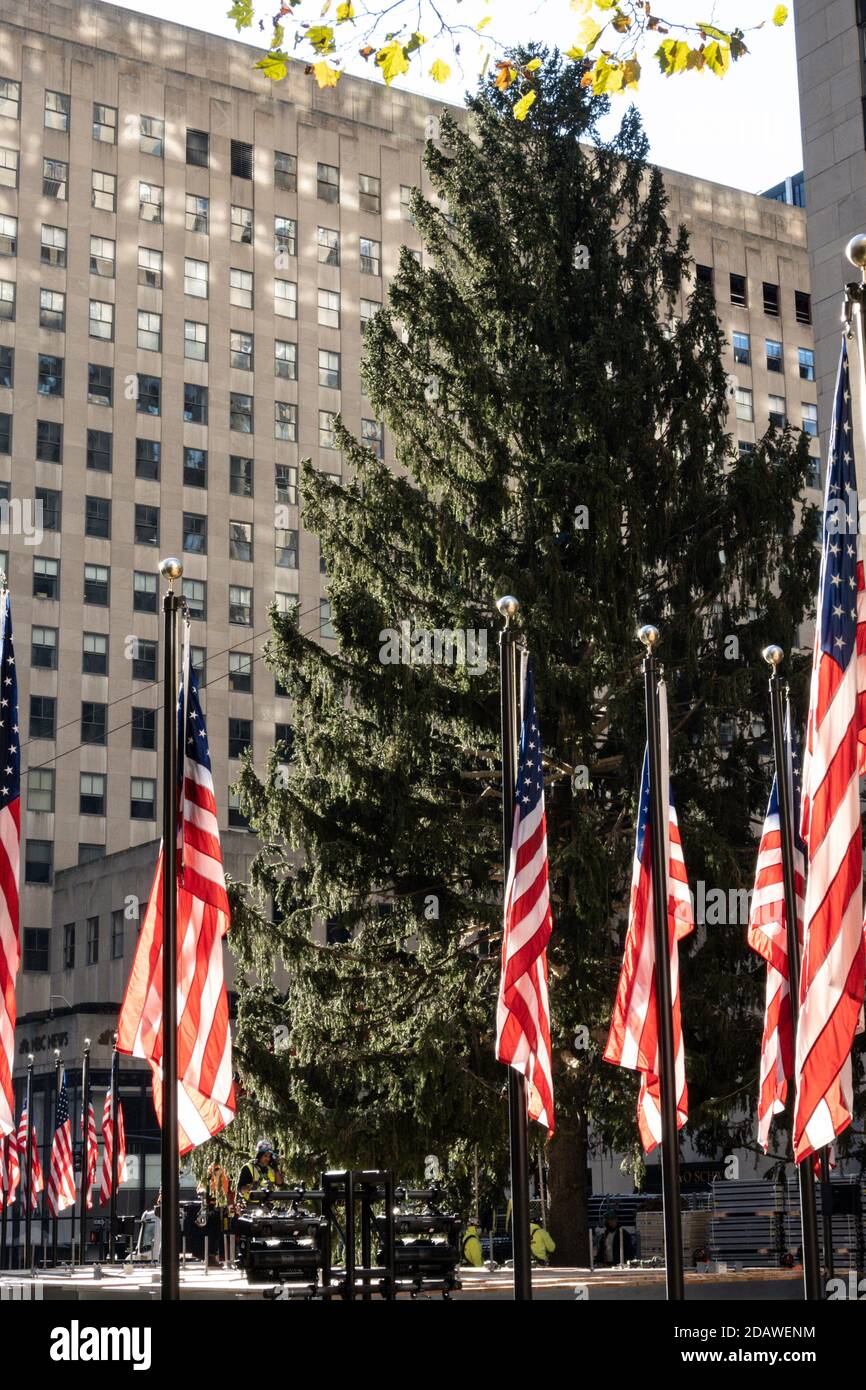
[(97, 583), (240, 605), (775, 359), (745, 409), (39, 862), (194, 403), (285, 421), (144, 592), (8, 235), (373, 435), (7, 301), (48, 502), (99, 444), (104, 123), (240, 412), (704, 275), (40, 789), (285, 548), (742, 349), (43, 648), (803, 306), (94, 654), (56, 115), (5, 433), (42, 715), (150, 268), (242, 225), (102, 257), (150, 202), (53, 246), (7, 366), (237, 819), (195, 593), (198, 662), (329, 369), (52, 310), (369, 194), (810, 419), (93, 721), (151, 135), (771, 299), (46, 577), (241, 672), (149, 331), (240, 737), (241, 351), (197, 148), (778, 414), (739, 292), (97, 517), (287, 604), (55, 179), (195, 341), (285, 171), (197, 214), (144, 660), (147, 453), (93, 941), (49, 379), (329, 308), (91, 794), (406, 203), (102, 320), (195, 467), (34, 957), (87, 852), (286, 484), (327, 430), (10, 98), (195, 278), (325, 626), (143, 728), (241, 160), (241, 288), (285, 238), (329, 246), (100, 384), (240, 476), (328, 183), (807, 364), (369, 308), (241, 540), (69, 946), (286, 299), (149, 394), (286, 360), (103, 191), (49, 441), (117, 934), (195, 533), (9, 160), (146, 524), (371, 257)]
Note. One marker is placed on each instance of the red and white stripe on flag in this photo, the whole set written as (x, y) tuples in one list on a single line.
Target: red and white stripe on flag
[(37, 1183), (833, 967), (10, 1168), (108, 1148), (10, 840), (523, 1007), (633, 1040), (206, 1097)]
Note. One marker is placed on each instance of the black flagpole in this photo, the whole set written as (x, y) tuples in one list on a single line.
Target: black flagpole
[(85, 1149), (670, 1153), (809, 1220), (112, 1210), (55, 1220), (518, 1121), (28, 1166), (171, 569)]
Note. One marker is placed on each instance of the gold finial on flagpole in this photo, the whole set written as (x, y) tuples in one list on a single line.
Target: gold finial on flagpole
[(508, 606), (649, 635), (171, 569), (773, 655)]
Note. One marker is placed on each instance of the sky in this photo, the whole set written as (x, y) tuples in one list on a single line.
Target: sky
[(741, 130)]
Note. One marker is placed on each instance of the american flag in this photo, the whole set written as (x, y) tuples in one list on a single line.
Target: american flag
[(832, 972), (633, 1040), (206, 1096), (60, 1192), (768, 936), (37, 1183), (10, 818), (523, 1010), (10, 1169), (107, 1148), (89, 1177)]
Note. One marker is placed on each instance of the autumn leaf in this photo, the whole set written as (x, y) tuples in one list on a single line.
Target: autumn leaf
[(325, 75), (274, 66), (709, 31), (440, 72), (533, 65), (345, 12), (718, 58), (392, 60), (582, 6), (366, 51), (321, 36), (622, 22), (673, 56), (780, 14), (631, 73), (521, 107), (505, 76), (483, 23), (242, 14)]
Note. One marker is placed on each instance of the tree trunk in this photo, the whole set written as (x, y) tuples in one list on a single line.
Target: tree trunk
[(569, 1211)]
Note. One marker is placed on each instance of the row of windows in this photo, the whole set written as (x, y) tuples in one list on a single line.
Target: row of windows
[(770, 298), (146, 518), (37, 940), (774, 355), (777, 411)]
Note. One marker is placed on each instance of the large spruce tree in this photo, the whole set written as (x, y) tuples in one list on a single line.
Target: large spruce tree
[(561, 431)]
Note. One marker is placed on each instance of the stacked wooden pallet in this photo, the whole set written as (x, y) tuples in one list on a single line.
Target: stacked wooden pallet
[(746, 1224), (849, 1237), (650, 1229)]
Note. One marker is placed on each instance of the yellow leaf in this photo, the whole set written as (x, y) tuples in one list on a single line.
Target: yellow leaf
[(321, 36), (718, 56), (521, 107), (483, 23), (392, 60), (587, 34), (573, 53), (533, 65), (631, 73), (440, 72), (582, 6), (273, 65), (607, 76), (345, 12), (673, 56), (325, 75), (780, 14)]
